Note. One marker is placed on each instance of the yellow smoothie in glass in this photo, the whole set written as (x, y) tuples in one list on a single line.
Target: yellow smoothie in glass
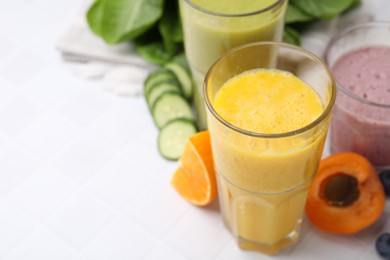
[(263, 182), (214, 27)]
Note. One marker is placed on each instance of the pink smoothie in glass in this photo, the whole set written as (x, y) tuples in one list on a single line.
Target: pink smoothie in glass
[(361, 119)]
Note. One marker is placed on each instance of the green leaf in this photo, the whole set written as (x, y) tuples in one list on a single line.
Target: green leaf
[(294, 14), (323, 9), (122, 20), (291, 35), (170, 24), (356, 3), (170, 27), (95, 16), (153, 52)]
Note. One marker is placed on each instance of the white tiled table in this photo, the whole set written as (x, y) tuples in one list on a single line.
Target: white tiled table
[(80, 175)]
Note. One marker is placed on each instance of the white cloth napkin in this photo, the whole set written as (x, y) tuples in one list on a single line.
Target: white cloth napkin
[(118, 67), (122, 71)]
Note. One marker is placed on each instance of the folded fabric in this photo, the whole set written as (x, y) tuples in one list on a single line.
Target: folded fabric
[(80, 44), (118, 67)]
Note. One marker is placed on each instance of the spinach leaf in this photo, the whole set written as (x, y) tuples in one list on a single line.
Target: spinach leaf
[(122, 20), (95, 16), (294, 14), (356, 3), (323, 9), (153, 52), (170, 27), (291, 35)]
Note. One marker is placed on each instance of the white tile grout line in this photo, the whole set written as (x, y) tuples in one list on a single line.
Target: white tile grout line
[(163, 238), (38, 225), (116, 213), (63, 204), (80, 188), (230, 240), (166, 245)]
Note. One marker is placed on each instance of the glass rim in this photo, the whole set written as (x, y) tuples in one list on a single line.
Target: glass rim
[(265, 9), (339, 36), (317, 121)]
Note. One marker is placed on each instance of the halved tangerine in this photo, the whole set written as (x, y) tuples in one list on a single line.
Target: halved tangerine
[(195, 177)]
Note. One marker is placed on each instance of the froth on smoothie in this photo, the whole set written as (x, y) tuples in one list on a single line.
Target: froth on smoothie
[(366, 73)]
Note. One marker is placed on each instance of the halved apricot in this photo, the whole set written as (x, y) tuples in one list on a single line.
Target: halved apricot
[(346, 195)]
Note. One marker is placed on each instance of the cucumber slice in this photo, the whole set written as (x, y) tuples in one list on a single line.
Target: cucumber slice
[(170, 106), (183, 76), (160, 88), (173, 137), (156, 76), (181, 59)]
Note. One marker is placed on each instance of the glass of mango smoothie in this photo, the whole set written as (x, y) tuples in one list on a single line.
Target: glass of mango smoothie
[(213, 27), (268, 110)]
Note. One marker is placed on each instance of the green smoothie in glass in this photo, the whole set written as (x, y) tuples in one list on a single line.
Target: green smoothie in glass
[(213, 27)]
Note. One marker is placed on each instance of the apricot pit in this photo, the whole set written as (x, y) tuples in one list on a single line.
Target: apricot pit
[(341, 190)]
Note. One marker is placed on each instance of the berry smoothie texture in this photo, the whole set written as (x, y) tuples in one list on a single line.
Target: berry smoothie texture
[(357, 125)]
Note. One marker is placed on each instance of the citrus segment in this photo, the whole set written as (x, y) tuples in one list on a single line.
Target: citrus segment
[(195, 177)]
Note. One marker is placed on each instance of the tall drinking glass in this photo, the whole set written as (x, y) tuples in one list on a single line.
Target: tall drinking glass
[(213, 27), (263, 179)]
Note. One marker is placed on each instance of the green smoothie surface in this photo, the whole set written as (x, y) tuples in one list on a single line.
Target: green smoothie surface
[(233, 6)]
